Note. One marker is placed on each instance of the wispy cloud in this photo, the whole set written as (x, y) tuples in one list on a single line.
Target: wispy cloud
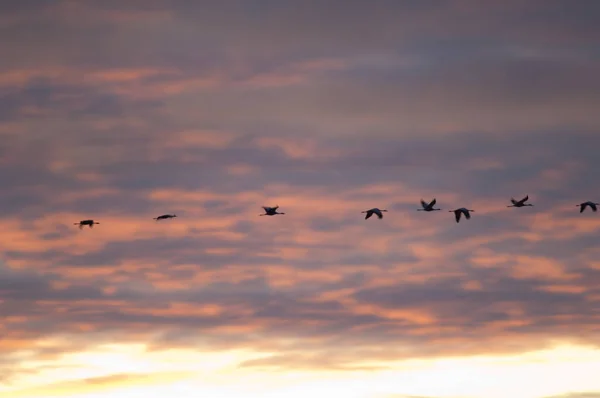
[(121, 112)]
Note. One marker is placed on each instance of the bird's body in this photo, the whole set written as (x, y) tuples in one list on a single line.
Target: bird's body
[(89, 223), (520, 203), (461, 211), (589, 204), (164, 217), (428, 206), (375, 211), (270, 211)]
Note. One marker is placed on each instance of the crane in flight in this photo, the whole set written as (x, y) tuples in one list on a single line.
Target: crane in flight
[(375, 211), (89, 223), (428, 206), (164, 217), (591, 205), (270, 211), (461, 211), (520, 203)]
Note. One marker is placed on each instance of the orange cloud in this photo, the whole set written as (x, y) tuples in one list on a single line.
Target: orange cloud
[(121, 113)]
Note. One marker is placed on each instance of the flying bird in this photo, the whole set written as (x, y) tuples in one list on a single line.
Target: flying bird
[(592, 206), (89, 223), (520, 203), (164, 217), (428, 206), (459, 212), (270, 211), (375, 211)]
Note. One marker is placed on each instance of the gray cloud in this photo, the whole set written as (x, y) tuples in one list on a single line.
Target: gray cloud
[(326, 110)]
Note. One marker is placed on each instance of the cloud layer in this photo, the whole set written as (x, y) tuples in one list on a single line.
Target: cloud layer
[(122, 112)]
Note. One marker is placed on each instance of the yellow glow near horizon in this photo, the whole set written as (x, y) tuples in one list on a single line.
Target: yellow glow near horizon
[(129, 371)]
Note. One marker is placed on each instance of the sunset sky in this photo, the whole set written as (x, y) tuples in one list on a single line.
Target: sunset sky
[(120, 111)]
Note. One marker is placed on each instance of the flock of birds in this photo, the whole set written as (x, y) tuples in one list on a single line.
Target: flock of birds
[(272, 211)]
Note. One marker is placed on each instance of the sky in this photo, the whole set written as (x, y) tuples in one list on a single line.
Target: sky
[(120, 111)]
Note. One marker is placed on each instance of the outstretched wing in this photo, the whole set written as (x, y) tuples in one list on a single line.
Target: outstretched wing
[(513, 201), (593, 206), (467, 214), (369, 214), (457, 215), (379, 214), (423, 204), (583, 206), (433, 202)]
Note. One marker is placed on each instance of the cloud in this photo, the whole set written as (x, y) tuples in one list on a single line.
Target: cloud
[(123, 112), (103, 383)]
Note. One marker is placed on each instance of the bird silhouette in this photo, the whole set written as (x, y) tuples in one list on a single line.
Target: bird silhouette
[(270, 211), (591, 205), (375, 211), (89, 223), (428, 206), (520, 203), (461, 211), (164, 217)]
